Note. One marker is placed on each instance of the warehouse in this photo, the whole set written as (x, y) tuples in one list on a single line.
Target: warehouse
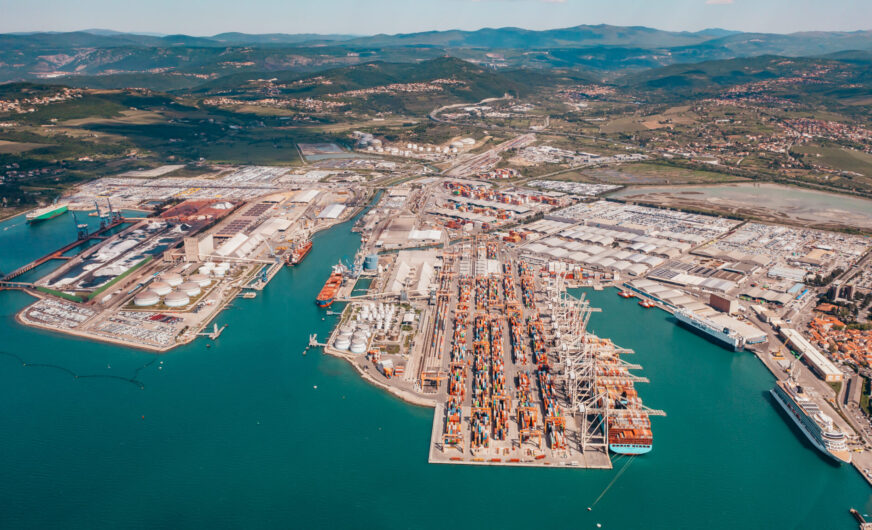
[(332, 212)]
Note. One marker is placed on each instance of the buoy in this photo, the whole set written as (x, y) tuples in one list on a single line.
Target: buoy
[(143, 416), (589, 508), (599, 525), (315, 387)]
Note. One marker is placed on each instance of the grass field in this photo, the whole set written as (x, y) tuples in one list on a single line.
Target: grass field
[(647, 173), (13, 148), (837, 158)]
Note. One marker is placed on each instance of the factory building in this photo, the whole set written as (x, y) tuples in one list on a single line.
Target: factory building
[(197, 249), (818, 362)]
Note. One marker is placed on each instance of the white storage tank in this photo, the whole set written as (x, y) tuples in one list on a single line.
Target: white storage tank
[(176, 299), (358, 347), (200, 279), (190, 288), (172, 279), (342, 344), (161, 288), (146, 298)]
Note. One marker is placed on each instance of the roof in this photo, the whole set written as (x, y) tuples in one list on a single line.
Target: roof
[(332, 212)]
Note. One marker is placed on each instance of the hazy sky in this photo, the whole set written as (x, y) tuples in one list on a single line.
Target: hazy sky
[(207, 17)]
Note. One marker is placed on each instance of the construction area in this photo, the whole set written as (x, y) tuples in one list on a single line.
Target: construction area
[(501, 351)]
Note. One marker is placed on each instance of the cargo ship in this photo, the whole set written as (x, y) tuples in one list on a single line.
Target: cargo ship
[(630, 434), (298, 252), (811, 420), (331, 287), (46, 213), (702, 326)]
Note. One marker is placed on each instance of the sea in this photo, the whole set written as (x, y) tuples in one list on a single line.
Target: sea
[(247, 431)]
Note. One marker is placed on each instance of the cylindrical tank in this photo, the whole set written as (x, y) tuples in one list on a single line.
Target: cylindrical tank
[(342, 344), (190, 288), (161, 288), (176, 299), (219, 273), (205, 270), (358, 347), (370, 263), (172, 279), (146, 298), (200, 279)]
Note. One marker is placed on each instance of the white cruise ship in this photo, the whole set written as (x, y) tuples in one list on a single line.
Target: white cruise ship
[(705, 327), (811, 420)]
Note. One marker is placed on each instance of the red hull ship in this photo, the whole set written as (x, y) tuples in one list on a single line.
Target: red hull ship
[(298, 252)]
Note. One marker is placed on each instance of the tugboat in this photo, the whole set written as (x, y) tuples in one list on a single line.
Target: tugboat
[(626, 294), (646, 303)]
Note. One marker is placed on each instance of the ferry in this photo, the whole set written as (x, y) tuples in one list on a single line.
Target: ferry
[(331, 287), (46, 213), (626, 294), (818, 427), (298, 252), (646, 303), (708, 329)]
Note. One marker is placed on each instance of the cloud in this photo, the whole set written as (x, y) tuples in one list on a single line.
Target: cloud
[(718, 2)]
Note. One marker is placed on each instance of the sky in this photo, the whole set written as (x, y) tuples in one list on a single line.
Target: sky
[(366, 17)]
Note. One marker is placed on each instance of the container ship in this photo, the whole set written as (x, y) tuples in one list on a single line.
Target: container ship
[(627, 423), (630, 434), (708, 329), (46, 213), (331, 287), (811, 420), (298, 252)]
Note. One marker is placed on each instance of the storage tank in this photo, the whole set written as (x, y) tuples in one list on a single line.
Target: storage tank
[(161, 288), (200, 279), (176, 299), (370, 263), (146, 298), (358, 347), (342, 344), (172, 279), (190, 288)]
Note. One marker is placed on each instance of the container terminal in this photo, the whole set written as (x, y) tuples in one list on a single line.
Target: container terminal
[(502, 353)]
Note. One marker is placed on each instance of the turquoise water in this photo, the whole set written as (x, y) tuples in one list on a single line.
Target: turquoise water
[(237, 435)]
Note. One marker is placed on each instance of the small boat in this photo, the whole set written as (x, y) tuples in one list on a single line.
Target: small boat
[(646, 303), (626, 294)]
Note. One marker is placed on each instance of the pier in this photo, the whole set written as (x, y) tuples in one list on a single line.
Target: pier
[(57, 254)]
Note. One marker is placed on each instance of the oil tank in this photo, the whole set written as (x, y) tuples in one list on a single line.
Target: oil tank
[(161, 288), (146, 298), (200, 279), (370, 263), (172, 279), (190, 288), (176, 299)]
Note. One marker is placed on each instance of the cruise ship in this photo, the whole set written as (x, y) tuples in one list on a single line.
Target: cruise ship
[(708, 329), (811, 420), (46, 213)]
